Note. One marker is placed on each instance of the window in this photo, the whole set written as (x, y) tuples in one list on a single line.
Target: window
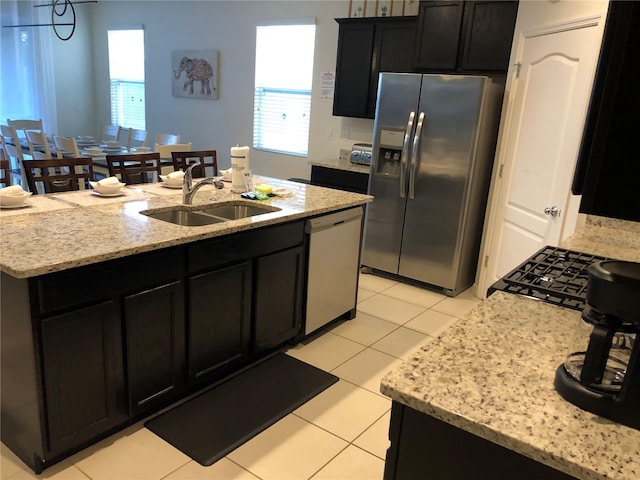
[(282, 103), (126, 73)]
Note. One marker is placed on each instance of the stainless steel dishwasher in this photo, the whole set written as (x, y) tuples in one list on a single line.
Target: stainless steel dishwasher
[(334, 255)]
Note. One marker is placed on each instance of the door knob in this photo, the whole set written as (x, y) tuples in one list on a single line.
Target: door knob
[(553, 211)]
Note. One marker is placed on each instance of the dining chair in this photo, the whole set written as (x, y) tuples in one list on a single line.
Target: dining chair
[(22, 126), (167, 139), (135, 168), (58, 174), (137, 138), (39, 148), (207, 159), (13, 154), (165, 150), (5, 170), (66, 146), (114, 132)]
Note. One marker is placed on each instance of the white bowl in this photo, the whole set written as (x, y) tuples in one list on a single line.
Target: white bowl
[(141, 149), (107, 189), (173, 181), (94, 150), (14, 200), (112, 143)]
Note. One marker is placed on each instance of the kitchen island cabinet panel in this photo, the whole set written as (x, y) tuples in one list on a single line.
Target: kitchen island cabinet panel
[(216, 253), (427, 448), (83, 375), (155, 346), (219, 325), (97, 282), (278, 299)]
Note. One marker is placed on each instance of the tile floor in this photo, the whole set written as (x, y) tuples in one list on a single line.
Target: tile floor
[(340, 434)]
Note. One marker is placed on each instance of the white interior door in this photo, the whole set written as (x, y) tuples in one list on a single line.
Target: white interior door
[(542, 134)]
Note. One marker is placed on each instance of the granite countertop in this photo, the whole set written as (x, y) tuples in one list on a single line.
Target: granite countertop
[(341, 164), (61, 231), (492, 373)]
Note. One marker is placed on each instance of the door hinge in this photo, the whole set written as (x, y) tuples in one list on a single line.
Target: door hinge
[(486, 261), (518, 66), (501, 170)]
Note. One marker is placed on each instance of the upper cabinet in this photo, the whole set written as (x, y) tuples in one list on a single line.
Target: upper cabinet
[(608, 163), (366, 47), (470, 36), (446, 37)]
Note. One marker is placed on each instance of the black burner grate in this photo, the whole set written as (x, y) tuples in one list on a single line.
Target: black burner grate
[(554, 275)]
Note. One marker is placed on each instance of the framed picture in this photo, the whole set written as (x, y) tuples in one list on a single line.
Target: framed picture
[(411, 7), (383, 8), (194, 74), (357, 8)]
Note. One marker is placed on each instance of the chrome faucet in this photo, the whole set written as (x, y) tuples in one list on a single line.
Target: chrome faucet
[(188, 191)]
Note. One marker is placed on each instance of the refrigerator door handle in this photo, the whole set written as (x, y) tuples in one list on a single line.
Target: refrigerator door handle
[(404, 161), (414, 157)]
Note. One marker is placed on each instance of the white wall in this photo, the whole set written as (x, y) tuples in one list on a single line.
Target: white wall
[(74, 81), (226, 26)]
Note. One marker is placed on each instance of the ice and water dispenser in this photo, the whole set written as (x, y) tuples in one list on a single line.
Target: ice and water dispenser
[(389, 152)]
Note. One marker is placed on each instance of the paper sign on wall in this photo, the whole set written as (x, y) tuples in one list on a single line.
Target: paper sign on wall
[(328, 84)]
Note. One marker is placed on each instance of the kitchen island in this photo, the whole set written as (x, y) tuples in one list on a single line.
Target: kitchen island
[(109, 315), (479, 401)]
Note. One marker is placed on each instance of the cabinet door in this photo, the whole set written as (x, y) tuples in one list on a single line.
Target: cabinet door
[(278, 297), (155, 345), (219, 325), (393, 51), (487, 35), (439, 26), (353, 69), (83, 375)]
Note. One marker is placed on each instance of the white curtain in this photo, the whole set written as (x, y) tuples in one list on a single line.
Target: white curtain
[(27, 85)]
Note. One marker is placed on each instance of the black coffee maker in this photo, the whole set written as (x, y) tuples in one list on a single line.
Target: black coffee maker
[(601, 374)]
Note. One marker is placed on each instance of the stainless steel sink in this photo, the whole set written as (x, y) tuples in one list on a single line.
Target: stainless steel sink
[(186, 218), (189, 216), (235, 211)]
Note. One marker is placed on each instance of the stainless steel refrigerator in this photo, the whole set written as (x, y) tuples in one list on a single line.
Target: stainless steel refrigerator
[(433, 148)]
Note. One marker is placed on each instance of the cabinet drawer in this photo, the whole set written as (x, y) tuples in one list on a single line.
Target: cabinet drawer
[(236, 248), (105, 280)]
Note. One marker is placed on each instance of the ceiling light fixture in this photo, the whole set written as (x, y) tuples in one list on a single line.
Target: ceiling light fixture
[(63, 14)]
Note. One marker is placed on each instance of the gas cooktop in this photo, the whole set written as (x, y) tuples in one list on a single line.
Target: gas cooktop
[(553, 275)]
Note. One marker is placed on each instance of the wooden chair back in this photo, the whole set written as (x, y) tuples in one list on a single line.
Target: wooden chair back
[(165, 150), (21, 126), (39, 148), (137, 138), (207, 158), (114, 132), (66, 146), (58, 175), (5, 171), (12, 153), (167, 138), (135, 168)]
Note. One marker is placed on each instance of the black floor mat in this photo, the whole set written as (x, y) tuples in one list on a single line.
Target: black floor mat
[(211, 425)]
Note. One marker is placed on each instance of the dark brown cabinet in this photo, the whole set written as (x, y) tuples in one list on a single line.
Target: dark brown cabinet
[(219, 332), (431, 449), (348, 180), (91, 349), (155, 346), (608, 166), (469, 36), (278, 299), (83, 375), (366, 47)]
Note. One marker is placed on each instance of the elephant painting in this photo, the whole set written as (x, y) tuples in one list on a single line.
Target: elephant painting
[(196, 70)]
